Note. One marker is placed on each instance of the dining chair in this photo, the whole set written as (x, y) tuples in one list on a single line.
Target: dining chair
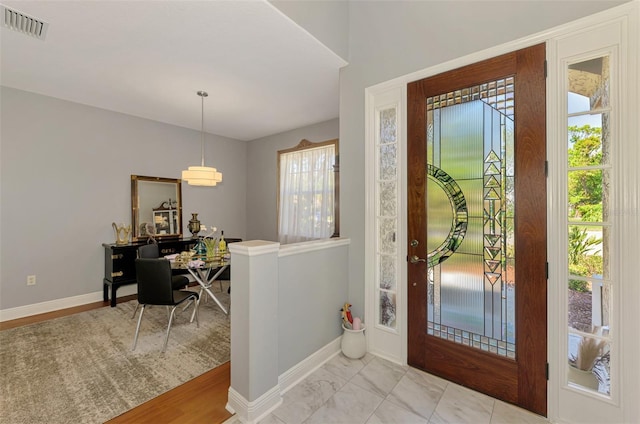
[(155, 288), (151, 251)]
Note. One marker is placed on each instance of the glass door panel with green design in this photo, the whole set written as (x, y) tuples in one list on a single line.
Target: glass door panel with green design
[(469, 202)]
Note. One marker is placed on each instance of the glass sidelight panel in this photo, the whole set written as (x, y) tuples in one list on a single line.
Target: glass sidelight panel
[(589, 187), (387, 219), (470, 215)]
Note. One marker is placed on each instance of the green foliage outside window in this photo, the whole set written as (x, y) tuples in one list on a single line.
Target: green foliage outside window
[(585, 186), (580, 262), (585, 203)]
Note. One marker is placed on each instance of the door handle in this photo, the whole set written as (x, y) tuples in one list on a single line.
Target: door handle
[(415, 259)]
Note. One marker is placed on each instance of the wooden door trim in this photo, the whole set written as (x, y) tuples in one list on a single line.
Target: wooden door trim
[(531, 340)]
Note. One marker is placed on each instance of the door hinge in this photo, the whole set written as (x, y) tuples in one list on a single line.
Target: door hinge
[(545, 69), (546, 270), (546, 168), (547, 371)]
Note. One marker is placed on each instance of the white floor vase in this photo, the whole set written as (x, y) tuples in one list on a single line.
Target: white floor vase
[(353, 344)]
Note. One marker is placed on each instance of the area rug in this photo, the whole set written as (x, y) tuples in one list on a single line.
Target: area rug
[(80, 368)]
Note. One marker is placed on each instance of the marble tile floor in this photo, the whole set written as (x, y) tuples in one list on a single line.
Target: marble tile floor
[(372, 390)]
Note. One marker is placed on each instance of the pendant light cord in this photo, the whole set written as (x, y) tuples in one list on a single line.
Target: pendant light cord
[(202, 95)]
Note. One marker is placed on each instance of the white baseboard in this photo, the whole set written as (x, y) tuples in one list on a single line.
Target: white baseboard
[(390, 358), (252, 412), (293, 375), (57, 304)]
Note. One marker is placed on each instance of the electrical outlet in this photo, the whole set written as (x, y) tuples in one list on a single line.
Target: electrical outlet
[(31, 280)]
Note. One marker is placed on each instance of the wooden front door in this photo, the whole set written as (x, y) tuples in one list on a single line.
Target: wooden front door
[(477, 227)]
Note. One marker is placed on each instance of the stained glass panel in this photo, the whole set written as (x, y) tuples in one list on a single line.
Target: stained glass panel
[(470, 212)]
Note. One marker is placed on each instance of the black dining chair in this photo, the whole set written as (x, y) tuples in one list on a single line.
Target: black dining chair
[(151, 251), (155, 288)]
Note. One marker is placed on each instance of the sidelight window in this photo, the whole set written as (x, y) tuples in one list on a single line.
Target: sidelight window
[(589, 185)]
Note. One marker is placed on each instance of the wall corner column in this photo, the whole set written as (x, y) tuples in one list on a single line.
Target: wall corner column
[(254, 387)]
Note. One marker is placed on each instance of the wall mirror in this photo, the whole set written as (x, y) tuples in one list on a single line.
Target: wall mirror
[(156, 207)]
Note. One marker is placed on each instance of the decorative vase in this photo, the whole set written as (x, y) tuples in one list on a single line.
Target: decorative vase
[(194, 225), (211, 245), (200, 249), (122, 233), (353, 343)]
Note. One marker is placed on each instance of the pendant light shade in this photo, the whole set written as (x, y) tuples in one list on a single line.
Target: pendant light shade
[(202, 175)]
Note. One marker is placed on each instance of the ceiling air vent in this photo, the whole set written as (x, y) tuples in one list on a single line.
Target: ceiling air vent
[(25, 24)]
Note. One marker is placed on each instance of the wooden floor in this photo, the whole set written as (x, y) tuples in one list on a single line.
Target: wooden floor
[(200, 400)]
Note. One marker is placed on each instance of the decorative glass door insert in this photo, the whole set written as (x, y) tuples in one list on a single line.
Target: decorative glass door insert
[(470, 209), (387, 219)]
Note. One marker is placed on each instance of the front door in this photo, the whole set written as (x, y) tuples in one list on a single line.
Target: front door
[(477, 227)]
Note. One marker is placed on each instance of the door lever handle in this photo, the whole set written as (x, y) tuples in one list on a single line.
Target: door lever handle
[(415, 259)]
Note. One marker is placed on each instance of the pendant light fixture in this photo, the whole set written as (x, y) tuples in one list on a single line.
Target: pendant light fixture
[(202, 175)]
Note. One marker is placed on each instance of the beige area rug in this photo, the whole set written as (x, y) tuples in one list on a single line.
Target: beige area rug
[(80, 368)]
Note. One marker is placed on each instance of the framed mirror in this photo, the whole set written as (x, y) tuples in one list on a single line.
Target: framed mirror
[(156, 207)]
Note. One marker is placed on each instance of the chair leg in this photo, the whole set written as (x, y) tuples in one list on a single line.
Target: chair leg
[(166, 339), (195, 312), (196, 304), (135, 339)]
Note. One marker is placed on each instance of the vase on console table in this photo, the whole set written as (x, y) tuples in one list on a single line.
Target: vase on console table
[(200, 249), (194, 225)]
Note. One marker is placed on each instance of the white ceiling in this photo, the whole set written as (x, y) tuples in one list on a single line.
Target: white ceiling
[(264, 74)]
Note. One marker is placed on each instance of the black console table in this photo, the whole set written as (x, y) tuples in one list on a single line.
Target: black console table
[(120, 266)]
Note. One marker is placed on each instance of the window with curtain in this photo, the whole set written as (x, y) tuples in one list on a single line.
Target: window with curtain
[(308, 192)]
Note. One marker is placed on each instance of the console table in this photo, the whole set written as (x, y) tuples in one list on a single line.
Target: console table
[(120, 262)]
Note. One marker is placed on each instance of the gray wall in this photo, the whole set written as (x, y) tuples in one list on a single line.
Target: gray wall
[(391, 39), (262, 165), (65, 177), (312, 287)]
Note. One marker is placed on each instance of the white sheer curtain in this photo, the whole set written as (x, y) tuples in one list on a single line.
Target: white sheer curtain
[(306, 194)]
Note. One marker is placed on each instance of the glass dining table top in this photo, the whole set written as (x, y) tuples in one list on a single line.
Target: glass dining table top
[(185, 262)]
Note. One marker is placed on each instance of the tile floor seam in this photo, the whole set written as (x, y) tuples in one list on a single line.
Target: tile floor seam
[(325, 402), (374, 411), (348, 379), (377, 394)]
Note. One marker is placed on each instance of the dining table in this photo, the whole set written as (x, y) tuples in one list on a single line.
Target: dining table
[(205, 272)]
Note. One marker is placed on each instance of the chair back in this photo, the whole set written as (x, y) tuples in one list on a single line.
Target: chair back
[(148, 251), (154, 281)]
